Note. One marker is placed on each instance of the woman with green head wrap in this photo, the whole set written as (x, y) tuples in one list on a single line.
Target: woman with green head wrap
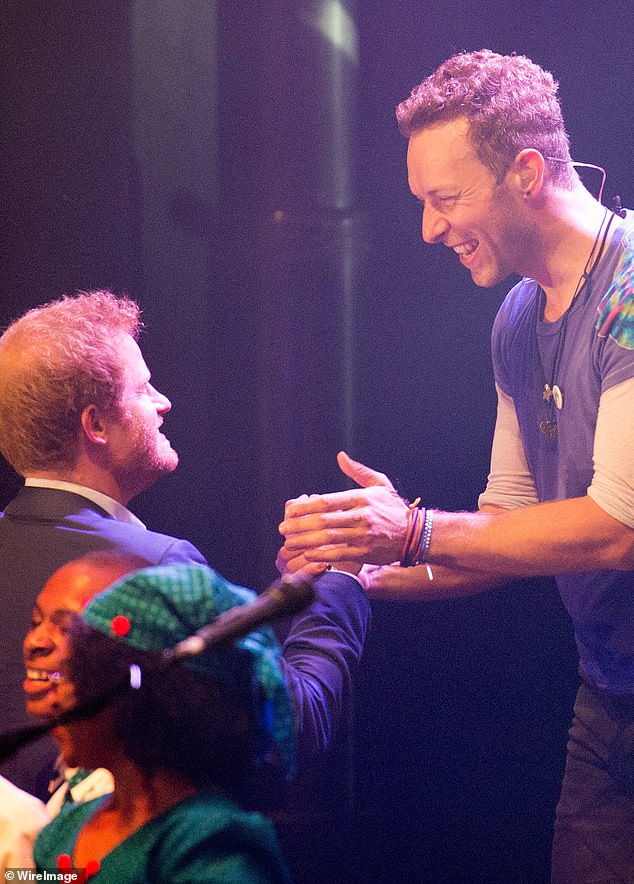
[(181, 741)]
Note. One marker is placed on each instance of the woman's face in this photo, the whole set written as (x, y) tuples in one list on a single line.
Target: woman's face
[(48, 689), (47, 646)]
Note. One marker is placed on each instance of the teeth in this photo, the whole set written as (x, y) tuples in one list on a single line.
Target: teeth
[(42, 675), (465, 248)]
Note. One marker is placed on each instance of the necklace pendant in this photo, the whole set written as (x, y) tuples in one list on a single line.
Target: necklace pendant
[(547, 394), (558, 397), (548, 428)]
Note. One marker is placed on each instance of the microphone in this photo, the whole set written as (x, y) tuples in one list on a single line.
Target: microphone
[(287, 597), (283, 599)]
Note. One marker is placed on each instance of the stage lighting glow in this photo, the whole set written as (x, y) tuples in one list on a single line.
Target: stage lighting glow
[(333, 21)]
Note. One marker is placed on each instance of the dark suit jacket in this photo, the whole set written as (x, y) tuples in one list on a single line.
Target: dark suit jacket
[(42, 529)]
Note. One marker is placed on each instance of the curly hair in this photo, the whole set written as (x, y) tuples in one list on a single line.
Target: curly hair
[(510, 104), (54, 361), (180, 719)]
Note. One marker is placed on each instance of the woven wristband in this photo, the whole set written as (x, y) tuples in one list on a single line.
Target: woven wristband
[(414, 534)]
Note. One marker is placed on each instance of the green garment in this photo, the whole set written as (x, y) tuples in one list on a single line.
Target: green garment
[(206, 839)]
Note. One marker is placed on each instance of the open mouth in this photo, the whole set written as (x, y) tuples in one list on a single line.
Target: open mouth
[(40, 680), (465, 249)]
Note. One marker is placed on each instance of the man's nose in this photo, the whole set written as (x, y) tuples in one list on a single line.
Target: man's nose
[(163, 405), (38, 642), (434, 225)]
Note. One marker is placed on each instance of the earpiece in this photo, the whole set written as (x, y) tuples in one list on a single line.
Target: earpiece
[(617, 208)]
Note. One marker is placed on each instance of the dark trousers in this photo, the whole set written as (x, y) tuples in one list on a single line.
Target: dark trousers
[(594, 826)]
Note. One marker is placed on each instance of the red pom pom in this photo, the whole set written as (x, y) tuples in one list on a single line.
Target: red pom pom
[(120, 625), (64, 861), (92, 868)]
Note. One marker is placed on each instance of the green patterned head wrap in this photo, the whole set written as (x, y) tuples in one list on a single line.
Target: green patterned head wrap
[(167, 603)]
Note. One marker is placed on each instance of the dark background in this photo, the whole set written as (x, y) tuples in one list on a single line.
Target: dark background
[(240, 174)]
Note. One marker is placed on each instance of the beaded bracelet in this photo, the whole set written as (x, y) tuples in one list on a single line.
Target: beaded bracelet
[(427, 526)]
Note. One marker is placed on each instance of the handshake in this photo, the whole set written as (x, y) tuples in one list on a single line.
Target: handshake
[(345, 529)]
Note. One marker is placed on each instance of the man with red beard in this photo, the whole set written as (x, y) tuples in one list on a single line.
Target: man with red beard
[(81, 422)]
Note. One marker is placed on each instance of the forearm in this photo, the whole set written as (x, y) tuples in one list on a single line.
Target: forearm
[(370, 526), (393, 583), (427, 583), (568, 536)]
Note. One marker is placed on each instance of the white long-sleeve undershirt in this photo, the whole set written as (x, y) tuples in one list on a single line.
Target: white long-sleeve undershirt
[(510, 484)]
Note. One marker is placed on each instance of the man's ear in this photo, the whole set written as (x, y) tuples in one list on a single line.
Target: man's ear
[(94, 425), (528, 169)]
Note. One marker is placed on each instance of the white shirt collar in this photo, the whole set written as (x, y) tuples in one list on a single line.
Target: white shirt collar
[(113, 507)]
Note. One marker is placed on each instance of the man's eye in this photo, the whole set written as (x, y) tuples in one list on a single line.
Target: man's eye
[(447, 200)]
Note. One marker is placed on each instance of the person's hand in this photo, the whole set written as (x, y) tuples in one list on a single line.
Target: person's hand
[(290, 562), (366, 524)]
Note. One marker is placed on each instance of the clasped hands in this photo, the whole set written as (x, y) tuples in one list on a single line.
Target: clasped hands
[(346, 529)]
